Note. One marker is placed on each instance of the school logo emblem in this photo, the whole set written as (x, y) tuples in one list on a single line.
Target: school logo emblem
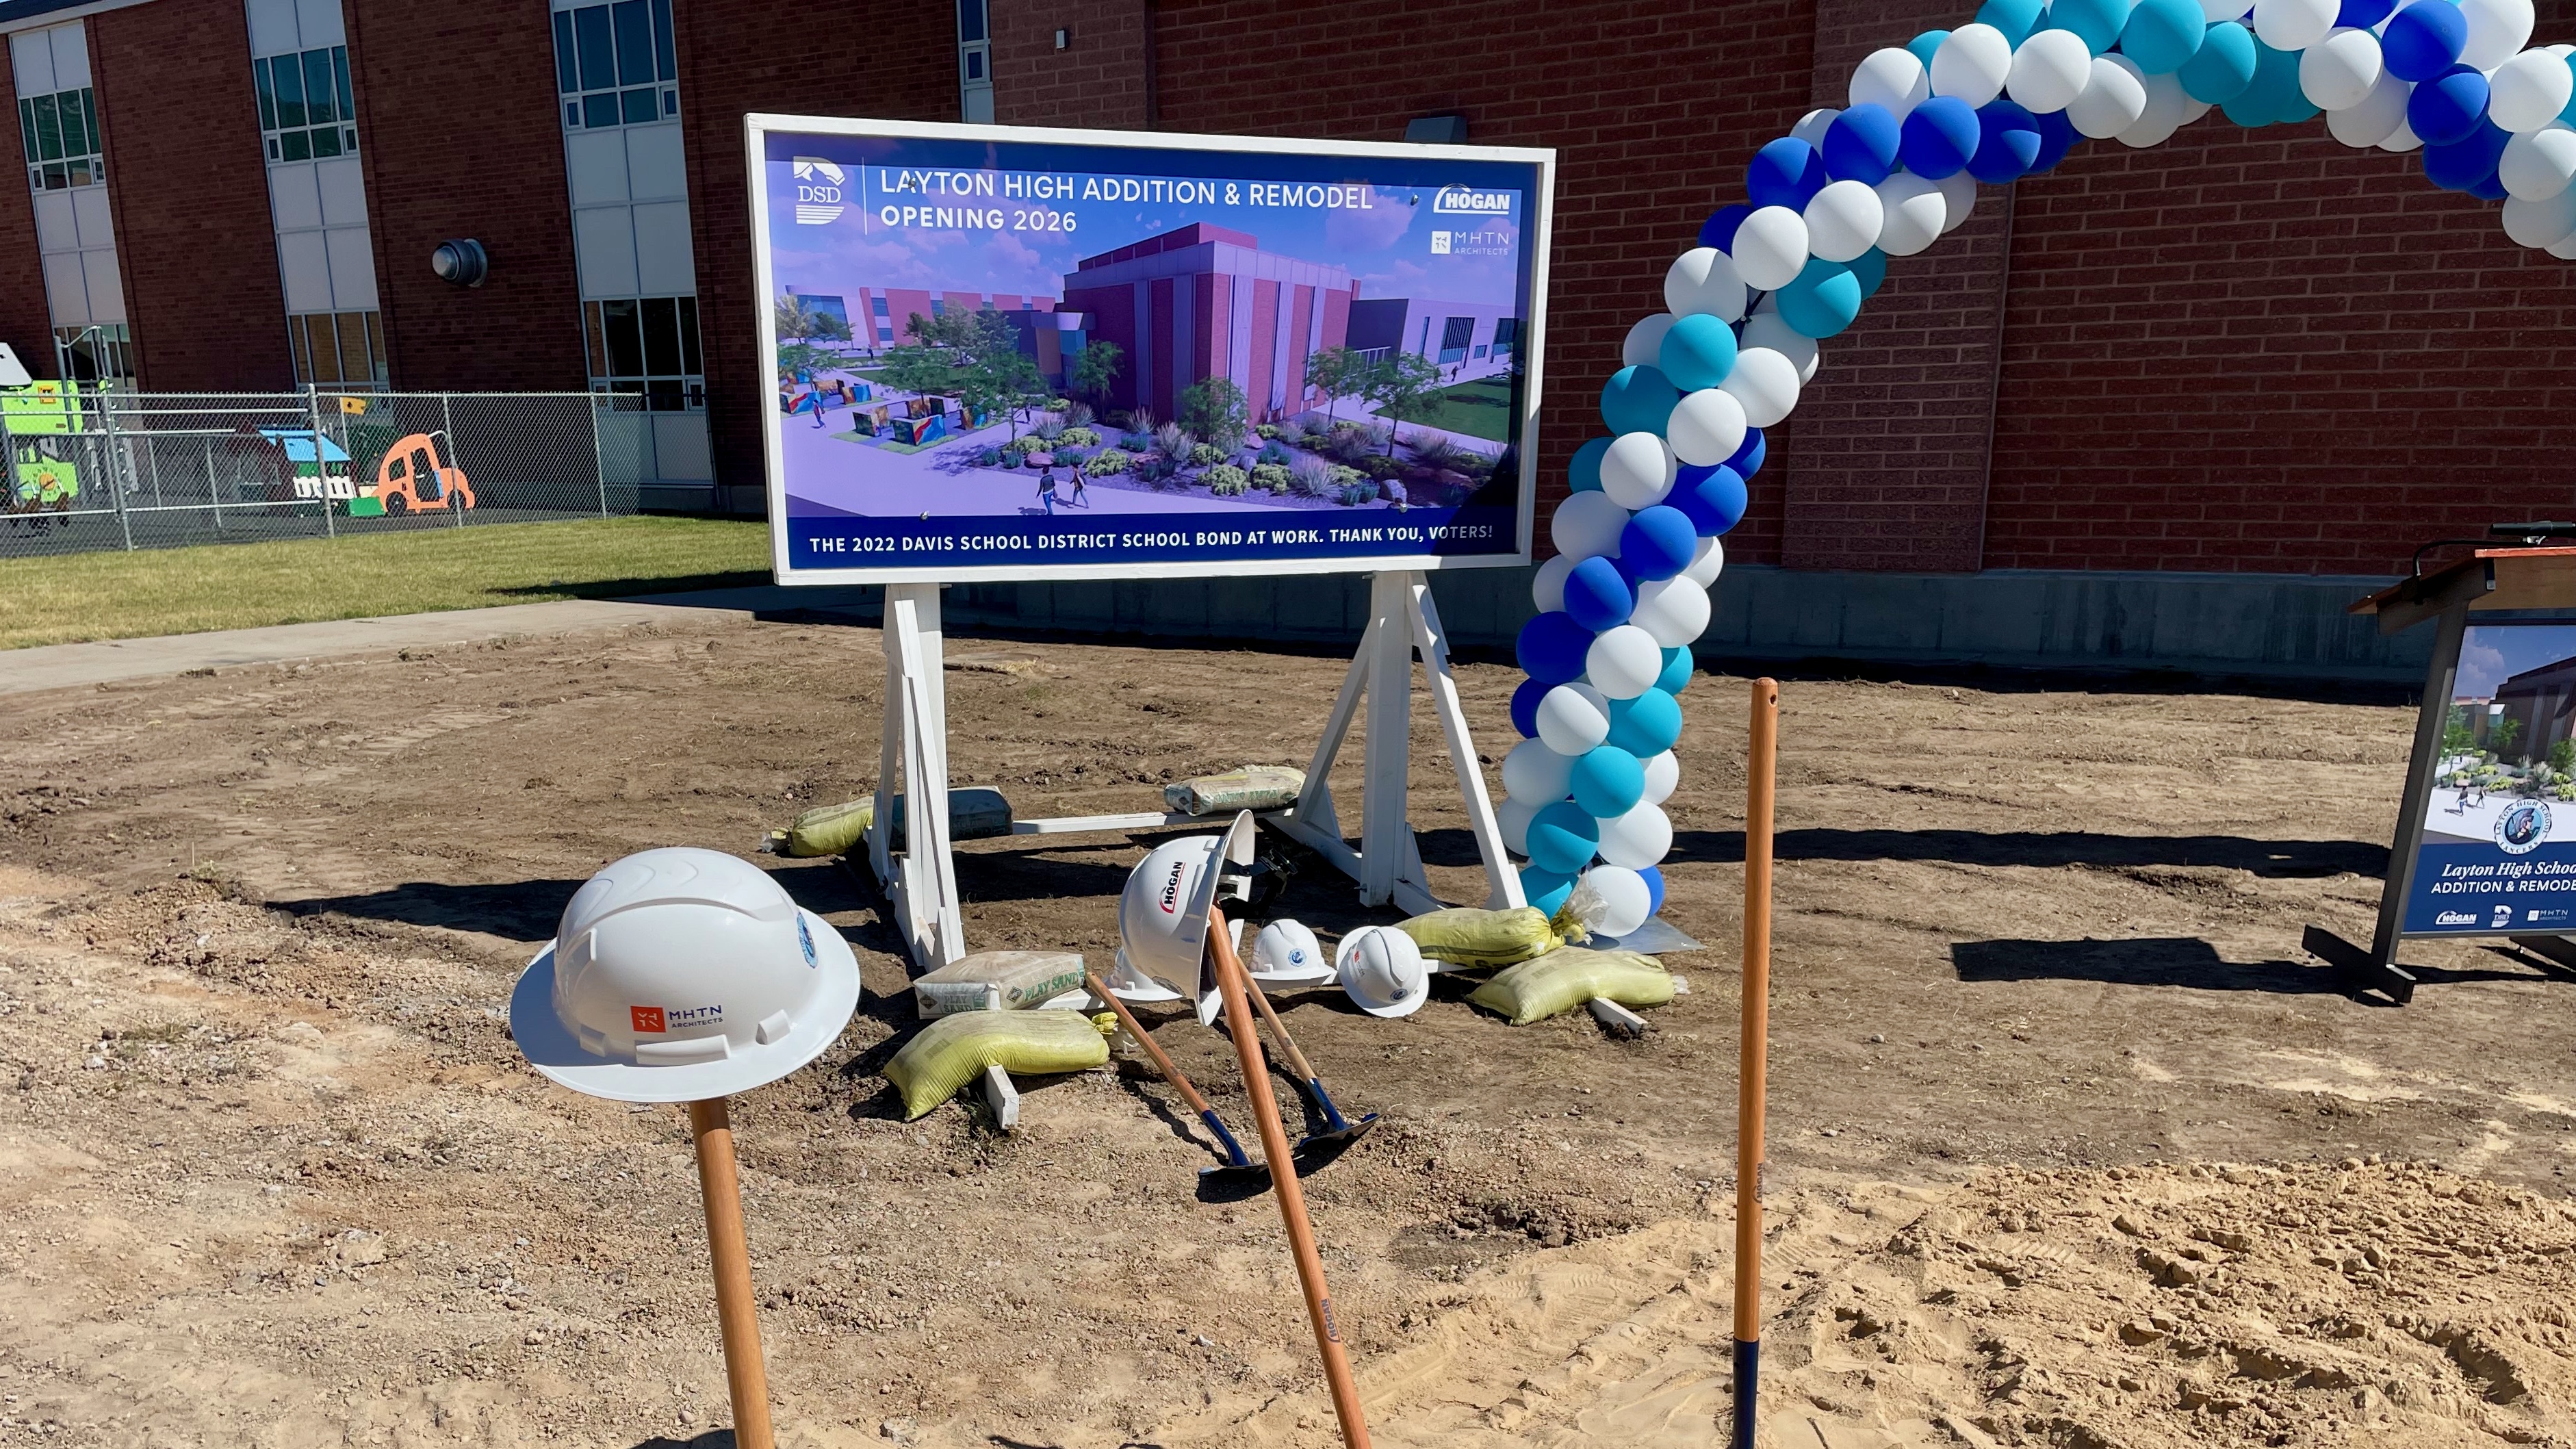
[(2522, 828), (819, 191)]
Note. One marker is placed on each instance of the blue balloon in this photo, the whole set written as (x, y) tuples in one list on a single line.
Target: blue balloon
[(1653, 876), (1821, 300), (1679, 666), (2363, 14), (2465, 164), (2448, 107), (2015, 18), (1647, 725), (1940, 135), (2098, 22), (1698, 352), (1871, 268), (1551, 647), (2222, 68), (1584, 473), (1608, 781), (1637, 400), (1657, 543), (2057, 136), (2489, 187), (1525, 706), (2163, 34), (1719, 230), (1749, 454), (1713, 498), (2423, 40), (1546, 889), (2273, 96), (1597, 596), (1861, 145), (1922, 46), (1786, 172), (2007, 143), (1562, 837)]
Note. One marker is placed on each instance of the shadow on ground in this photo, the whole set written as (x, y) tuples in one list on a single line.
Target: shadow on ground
[(2187, 962), (2298, 859)]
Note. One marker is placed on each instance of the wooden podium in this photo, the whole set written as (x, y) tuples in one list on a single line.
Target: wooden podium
[(2504, 584)]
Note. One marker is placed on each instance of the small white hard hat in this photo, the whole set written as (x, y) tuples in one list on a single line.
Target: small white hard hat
[(1286, 954), (1382, 969), (1163, 914), (680, 974)]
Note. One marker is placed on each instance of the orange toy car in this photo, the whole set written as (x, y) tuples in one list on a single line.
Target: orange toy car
[(414, 477)]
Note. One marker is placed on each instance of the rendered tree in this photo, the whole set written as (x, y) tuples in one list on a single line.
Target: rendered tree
[(1402, 385), (2456, 738), (2500, 738), (2562, 756), (1341, 372), (1095, 370), (1214, 409)]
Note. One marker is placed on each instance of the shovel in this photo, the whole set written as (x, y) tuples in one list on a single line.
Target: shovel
[(1237, 1168), (1338, 1132)]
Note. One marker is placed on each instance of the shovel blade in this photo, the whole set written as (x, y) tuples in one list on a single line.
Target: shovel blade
[(1335, 1140)]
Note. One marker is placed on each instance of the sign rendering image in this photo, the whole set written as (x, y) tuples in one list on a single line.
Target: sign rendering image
[(1004, 353), (2498, 851)]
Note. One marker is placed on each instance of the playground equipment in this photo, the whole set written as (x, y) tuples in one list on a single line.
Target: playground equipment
[(414, 476)]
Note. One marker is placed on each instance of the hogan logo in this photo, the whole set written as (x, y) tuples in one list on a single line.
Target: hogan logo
[(1459, 201), (1171, 898), (2455, 918)]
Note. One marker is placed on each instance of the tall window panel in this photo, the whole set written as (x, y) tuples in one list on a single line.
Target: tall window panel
[(317, 194), (66, 155), (974, 62)]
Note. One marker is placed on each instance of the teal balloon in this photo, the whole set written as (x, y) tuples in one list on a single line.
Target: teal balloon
[(2015, 18), (1545, 889), (1562, 837), (1698, 352), (2273, 96), (1647, 725), (2097, 22), (1637, 400), (1678, 668), (2162, 35), (2222, 68), (1584, 473), (1871, 267), (1608, 781), (1822, 300), (1923, 45)]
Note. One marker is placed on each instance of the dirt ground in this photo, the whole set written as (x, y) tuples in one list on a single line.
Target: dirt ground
[(2071, 1145)]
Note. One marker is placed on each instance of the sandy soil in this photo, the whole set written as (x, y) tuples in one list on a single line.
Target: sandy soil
[(271, 1173)]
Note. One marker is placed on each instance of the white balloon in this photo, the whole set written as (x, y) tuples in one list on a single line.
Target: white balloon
[(1547, 587), (1536, 775), (1636, 838), (1514, 817), (2564, 251), (1622, 663), (2537, 165), (2403, 139), (1843, 220), (2497, 29), (1625, 899), (1911, 213), (1663, 776), (1772, 331), (1971, 64), (1706, 428), (1766, 383), (1704, 279), (2049, 71), (2112, 100), (1646, 340), (2167, 104), (2368, 121), (1586, 525), (1707, 564), (1770, 248), (2294, 24), (1573, 718), (1958, 198), (1675, 610), (1637, 466), (2540, 223), (1892, 78), (2528, 91), (2339, 71), (1812, 126), (2218, 10)]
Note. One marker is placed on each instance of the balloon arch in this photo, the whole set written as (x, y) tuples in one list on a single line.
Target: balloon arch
[(2006, 96)]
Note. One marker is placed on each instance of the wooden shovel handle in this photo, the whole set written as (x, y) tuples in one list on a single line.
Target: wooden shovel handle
[(737, 1318), (1153, 1048)]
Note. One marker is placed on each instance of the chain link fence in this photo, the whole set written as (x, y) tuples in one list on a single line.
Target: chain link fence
[(89, 470)]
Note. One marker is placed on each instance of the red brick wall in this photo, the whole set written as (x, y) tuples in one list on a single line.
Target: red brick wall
[(25, 322), (472, 155), (190, 189), (1097, 81), (881, 58)]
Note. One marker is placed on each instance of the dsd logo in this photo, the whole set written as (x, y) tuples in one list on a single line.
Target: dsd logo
[(2523, 827), (819, 198)]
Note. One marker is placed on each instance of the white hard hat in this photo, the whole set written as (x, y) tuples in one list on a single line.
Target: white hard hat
[(1382, 970), (678, 975), (1163, 914), (1285, 953)]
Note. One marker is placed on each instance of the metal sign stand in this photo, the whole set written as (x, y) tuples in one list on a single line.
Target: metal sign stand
[(919, 874)]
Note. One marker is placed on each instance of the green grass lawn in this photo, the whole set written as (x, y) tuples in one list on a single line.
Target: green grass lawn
[(244, 585), (1479, 409)]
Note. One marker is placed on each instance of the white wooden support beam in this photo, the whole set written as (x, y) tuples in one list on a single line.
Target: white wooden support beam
[(1619, 1019), (1002, 1097)]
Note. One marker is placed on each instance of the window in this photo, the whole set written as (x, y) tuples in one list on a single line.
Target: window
[(61, 136), (974, 61), (1455, 333), (616, 64), (1507, 334), (92, 353), (306, 111), (648, 345), (337, 349)]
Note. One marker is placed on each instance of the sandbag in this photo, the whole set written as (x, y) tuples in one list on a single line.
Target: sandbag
[(1017, 979), (1254, 787), (973, 814), (955, 1050), (1564, 979), (1481, 939)]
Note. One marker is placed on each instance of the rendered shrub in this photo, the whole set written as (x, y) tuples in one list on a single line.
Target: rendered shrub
[(1270, 477), (1111, 460), (1355, 494), (1226, 480), (1313, 478)]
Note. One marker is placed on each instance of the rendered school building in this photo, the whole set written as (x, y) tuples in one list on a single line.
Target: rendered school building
[(2170, 406)]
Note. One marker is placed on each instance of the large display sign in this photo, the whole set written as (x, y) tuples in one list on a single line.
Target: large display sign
[(1004, 353), (2496, 850)]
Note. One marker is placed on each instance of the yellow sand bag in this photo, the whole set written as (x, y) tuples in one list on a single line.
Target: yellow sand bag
[(1017, 980), (1565, 979), (840, 829), (955, 1050), (1479, 939), (1254, 787)]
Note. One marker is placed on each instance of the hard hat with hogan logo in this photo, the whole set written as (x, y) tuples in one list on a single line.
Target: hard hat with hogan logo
[(1163, 917)]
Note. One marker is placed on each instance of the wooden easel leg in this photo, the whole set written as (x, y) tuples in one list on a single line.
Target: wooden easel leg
[(1390, 722), (923, 881)]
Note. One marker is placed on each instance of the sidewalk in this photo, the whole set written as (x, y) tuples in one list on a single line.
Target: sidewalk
[(66, 666)]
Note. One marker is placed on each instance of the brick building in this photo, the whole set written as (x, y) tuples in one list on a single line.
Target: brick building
[(2169, 403)]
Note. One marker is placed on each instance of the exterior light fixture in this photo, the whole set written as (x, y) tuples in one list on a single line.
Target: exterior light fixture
[(461, 263)]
